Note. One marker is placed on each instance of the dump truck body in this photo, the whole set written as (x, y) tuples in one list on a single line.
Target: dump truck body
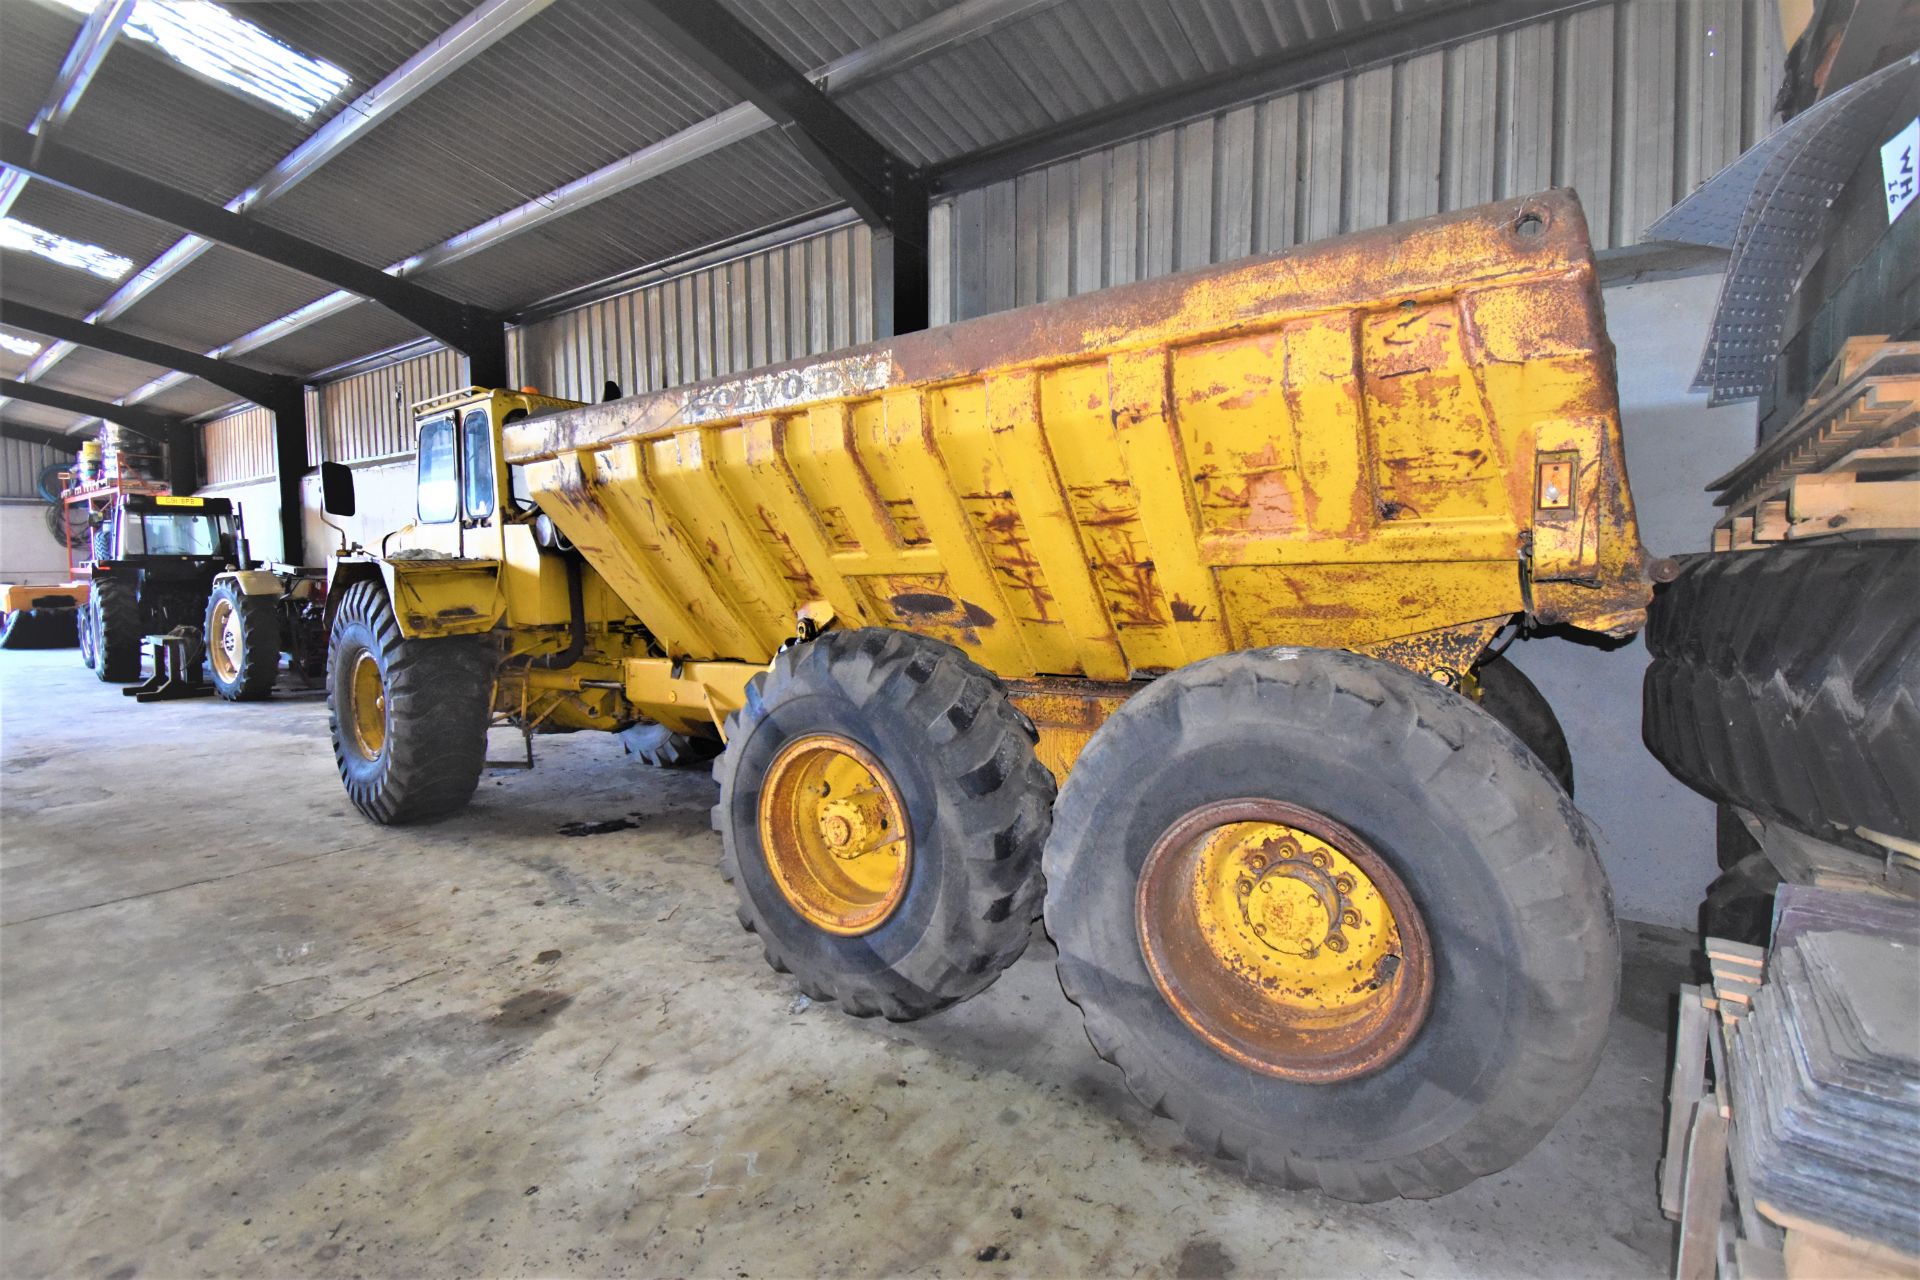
[(1391, 443)]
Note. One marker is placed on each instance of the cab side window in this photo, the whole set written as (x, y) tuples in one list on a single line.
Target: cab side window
[(439, 481), (476, 463)]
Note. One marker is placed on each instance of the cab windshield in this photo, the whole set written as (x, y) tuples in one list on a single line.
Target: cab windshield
[(171, 534)]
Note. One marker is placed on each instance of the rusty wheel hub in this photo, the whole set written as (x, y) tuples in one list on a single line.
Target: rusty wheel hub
[(835, 834), (1284, 940)]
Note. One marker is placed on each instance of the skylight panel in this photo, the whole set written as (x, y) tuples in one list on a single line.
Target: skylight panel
[(24, 237), (207, 38), (19, 346)]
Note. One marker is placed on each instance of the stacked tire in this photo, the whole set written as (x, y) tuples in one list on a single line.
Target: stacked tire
[(1786, 681)]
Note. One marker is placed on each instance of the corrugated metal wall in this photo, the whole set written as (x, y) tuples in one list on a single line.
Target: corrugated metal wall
[(369, 414), (1633, 103), (21, 462), (238, 446), (796, 300)]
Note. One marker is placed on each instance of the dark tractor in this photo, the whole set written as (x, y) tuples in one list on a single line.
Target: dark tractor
[(155, 561)]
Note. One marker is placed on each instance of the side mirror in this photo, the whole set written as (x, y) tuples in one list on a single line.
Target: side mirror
[(336, 488)]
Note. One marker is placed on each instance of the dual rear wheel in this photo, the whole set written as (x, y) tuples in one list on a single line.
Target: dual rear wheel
[(1337, 921)]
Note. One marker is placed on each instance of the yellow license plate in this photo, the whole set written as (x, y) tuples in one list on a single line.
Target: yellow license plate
[(168, 500)]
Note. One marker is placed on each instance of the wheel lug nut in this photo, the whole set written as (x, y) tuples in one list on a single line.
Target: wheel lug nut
[(1336, 943), (1244, 888), (1344, 883), (1350, 918), (1321, 860)]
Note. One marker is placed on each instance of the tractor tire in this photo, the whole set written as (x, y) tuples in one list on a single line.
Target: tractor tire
[(956, 760), (83, 632), (114, 607), (243, 642), (1474, 1028), (661, 748), (1509, 697), (47, 628), (1786, 681), (408, 717)]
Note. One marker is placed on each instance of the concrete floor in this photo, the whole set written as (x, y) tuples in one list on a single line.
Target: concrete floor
[(246, 1032)]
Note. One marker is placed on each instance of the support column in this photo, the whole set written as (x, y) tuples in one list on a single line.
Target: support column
[(289, 466)]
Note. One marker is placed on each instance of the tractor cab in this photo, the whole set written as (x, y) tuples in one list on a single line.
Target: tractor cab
[(155, 530)]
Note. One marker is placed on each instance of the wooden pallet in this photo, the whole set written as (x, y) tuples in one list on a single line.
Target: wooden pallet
[(1849, 462), (1704, 1184)]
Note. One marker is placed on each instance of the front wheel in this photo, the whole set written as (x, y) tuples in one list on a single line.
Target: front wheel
[(408, 717), (1330, 919), (243, 642), (114, 609), (881, 815)]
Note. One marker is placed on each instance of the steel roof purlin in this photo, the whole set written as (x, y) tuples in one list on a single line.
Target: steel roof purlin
[(458, 45), (906, 48), (97, 34)]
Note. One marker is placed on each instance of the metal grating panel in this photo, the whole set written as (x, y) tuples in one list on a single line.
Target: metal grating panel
[(1630, 103), (21, 462), (370, 414), (238, 446), (800, 299)]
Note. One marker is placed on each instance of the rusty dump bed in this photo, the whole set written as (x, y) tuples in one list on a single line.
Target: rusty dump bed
[(1390, 442)]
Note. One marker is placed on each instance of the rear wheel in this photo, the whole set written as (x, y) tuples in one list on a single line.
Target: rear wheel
[(1509, 697), (1327, 917), (115, 609), (83, 626), (243, 642), (881, 816), (408, 717)]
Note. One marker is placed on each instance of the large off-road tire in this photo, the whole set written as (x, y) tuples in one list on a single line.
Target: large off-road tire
[(243, 642), (1509, 697), (46, 628), (1463, 1038), (408, 717), (661, 748), (1786, 681), (935, 746), (117, 627), (83, 631)]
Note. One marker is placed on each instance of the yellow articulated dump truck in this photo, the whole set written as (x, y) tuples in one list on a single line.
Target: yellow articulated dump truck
[(1167, 611)]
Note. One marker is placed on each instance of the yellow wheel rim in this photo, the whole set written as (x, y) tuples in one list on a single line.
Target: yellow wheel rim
[(368, 694), (1284, 940), (224, 640), (835, 834)]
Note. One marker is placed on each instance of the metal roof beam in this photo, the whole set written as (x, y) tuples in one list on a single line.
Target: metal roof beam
[(884, 189), (462, 327), (84, 56), (34, 435), (155, 426), (450, 50), (968, 20), (249, 383), (1370, 46)]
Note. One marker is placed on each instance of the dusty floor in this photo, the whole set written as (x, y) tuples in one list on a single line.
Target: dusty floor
[(247, 1033)]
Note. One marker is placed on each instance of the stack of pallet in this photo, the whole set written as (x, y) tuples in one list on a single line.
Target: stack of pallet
[(1849, 462), (1801, 1154)]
